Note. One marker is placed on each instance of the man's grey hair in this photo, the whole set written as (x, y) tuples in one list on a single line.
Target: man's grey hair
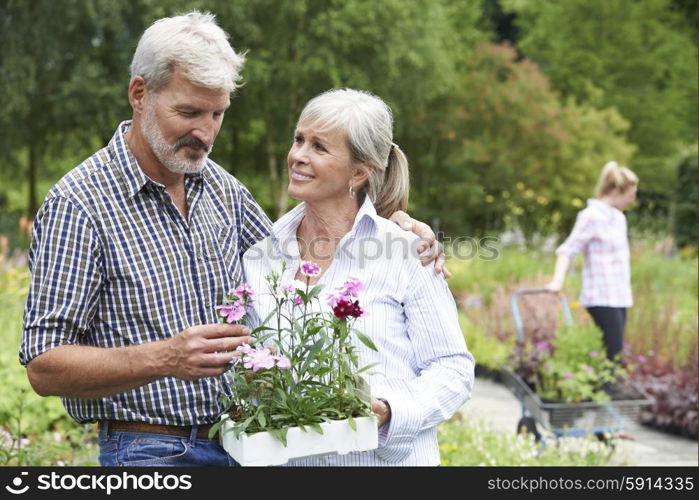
[(192, 43)]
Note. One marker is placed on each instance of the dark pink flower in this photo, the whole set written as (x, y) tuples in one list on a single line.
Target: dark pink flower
[(346, 308)]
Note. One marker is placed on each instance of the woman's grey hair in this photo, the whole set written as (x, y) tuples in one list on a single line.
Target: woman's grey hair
[(368, 125), (192, 43)]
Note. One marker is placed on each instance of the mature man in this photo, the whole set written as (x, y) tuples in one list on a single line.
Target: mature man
[(132, 250)]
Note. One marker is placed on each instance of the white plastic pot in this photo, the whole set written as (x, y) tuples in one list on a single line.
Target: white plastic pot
[(264, 449)]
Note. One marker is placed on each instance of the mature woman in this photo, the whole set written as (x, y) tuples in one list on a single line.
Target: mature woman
[(349, 174), (600, 233)]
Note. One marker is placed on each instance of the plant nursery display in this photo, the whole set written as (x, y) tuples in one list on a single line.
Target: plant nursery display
[(298, 390)]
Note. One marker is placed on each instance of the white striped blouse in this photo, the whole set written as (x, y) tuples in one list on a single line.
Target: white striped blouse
[(425, 370)]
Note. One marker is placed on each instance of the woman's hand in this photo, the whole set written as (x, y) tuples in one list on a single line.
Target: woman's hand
[(382, 410), (553, 286)]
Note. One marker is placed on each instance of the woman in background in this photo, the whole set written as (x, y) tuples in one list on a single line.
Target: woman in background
[(600, 232)]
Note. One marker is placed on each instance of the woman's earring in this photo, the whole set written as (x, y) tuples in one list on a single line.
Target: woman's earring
[(351, 193)]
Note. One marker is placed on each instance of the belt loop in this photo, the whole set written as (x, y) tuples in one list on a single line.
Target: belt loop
[(193, 435), (104, 429)]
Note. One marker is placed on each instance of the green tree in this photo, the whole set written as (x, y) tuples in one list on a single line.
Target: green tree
[(402, 51), (63, 75), (512, 152), (640, 57)]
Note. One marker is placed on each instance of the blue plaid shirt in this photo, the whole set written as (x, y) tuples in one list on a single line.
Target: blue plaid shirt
[(115, 264)]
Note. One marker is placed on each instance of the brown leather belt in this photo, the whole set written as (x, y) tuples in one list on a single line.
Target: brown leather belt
[(170, 430)]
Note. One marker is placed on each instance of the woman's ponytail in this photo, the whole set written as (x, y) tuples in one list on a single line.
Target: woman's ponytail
[(614, 176), (390, 189)]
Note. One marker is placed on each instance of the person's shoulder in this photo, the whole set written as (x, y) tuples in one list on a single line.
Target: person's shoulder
[(591, 213), (386, 227), (222, 181), (396, 244), (79, 181), (219, 175)]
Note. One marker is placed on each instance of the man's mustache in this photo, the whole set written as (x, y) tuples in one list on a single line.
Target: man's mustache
[(192, 143)]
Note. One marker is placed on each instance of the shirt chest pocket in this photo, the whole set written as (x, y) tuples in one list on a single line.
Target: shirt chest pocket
[(219, 254), (219, 245)]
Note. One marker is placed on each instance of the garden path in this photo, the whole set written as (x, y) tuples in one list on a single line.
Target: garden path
[(495, 405)]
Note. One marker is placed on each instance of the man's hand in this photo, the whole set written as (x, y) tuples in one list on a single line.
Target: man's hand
[(204, 350), (429, 249)]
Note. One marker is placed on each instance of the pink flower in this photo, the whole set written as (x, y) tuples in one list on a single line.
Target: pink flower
[(353, 286), (335, 297), (245, 348), (641, 358), (258, 359), (588, 369), (310, 269), (298, 300), (542, 346), (283, 362), (244, 292), (289, 288), (346, 308), (231, 312), (594, 354), (567, 375)]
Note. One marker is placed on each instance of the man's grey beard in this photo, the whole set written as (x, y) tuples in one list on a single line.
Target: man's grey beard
[(166, 153)]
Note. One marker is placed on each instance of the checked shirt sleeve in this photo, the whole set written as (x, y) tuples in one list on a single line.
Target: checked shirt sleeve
[(445, 365), (65, 261), (584, 230)]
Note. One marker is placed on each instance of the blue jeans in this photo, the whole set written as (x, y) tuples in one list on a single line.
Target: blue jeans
[(140, 449)]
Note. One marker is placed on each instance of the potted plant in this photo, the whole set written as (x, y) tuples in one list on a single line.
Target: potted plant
[(570, 368), (568, 383), (297, 391)]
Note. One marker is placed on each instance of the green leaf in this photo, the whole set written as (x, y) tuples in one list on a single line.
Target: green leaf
[(367, 367), (351, 422), (316, 427), (365, 340), (261, 329), (279, 434), (313, 293), (214, 428), (312, 354)]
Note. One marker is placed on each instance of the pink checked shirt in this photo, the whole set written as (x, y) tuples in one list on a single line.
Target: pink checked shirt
[(600, 233)]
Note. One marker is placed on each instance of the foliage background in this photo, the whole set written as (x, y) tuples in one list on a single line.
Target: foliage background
[(507, 109)]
